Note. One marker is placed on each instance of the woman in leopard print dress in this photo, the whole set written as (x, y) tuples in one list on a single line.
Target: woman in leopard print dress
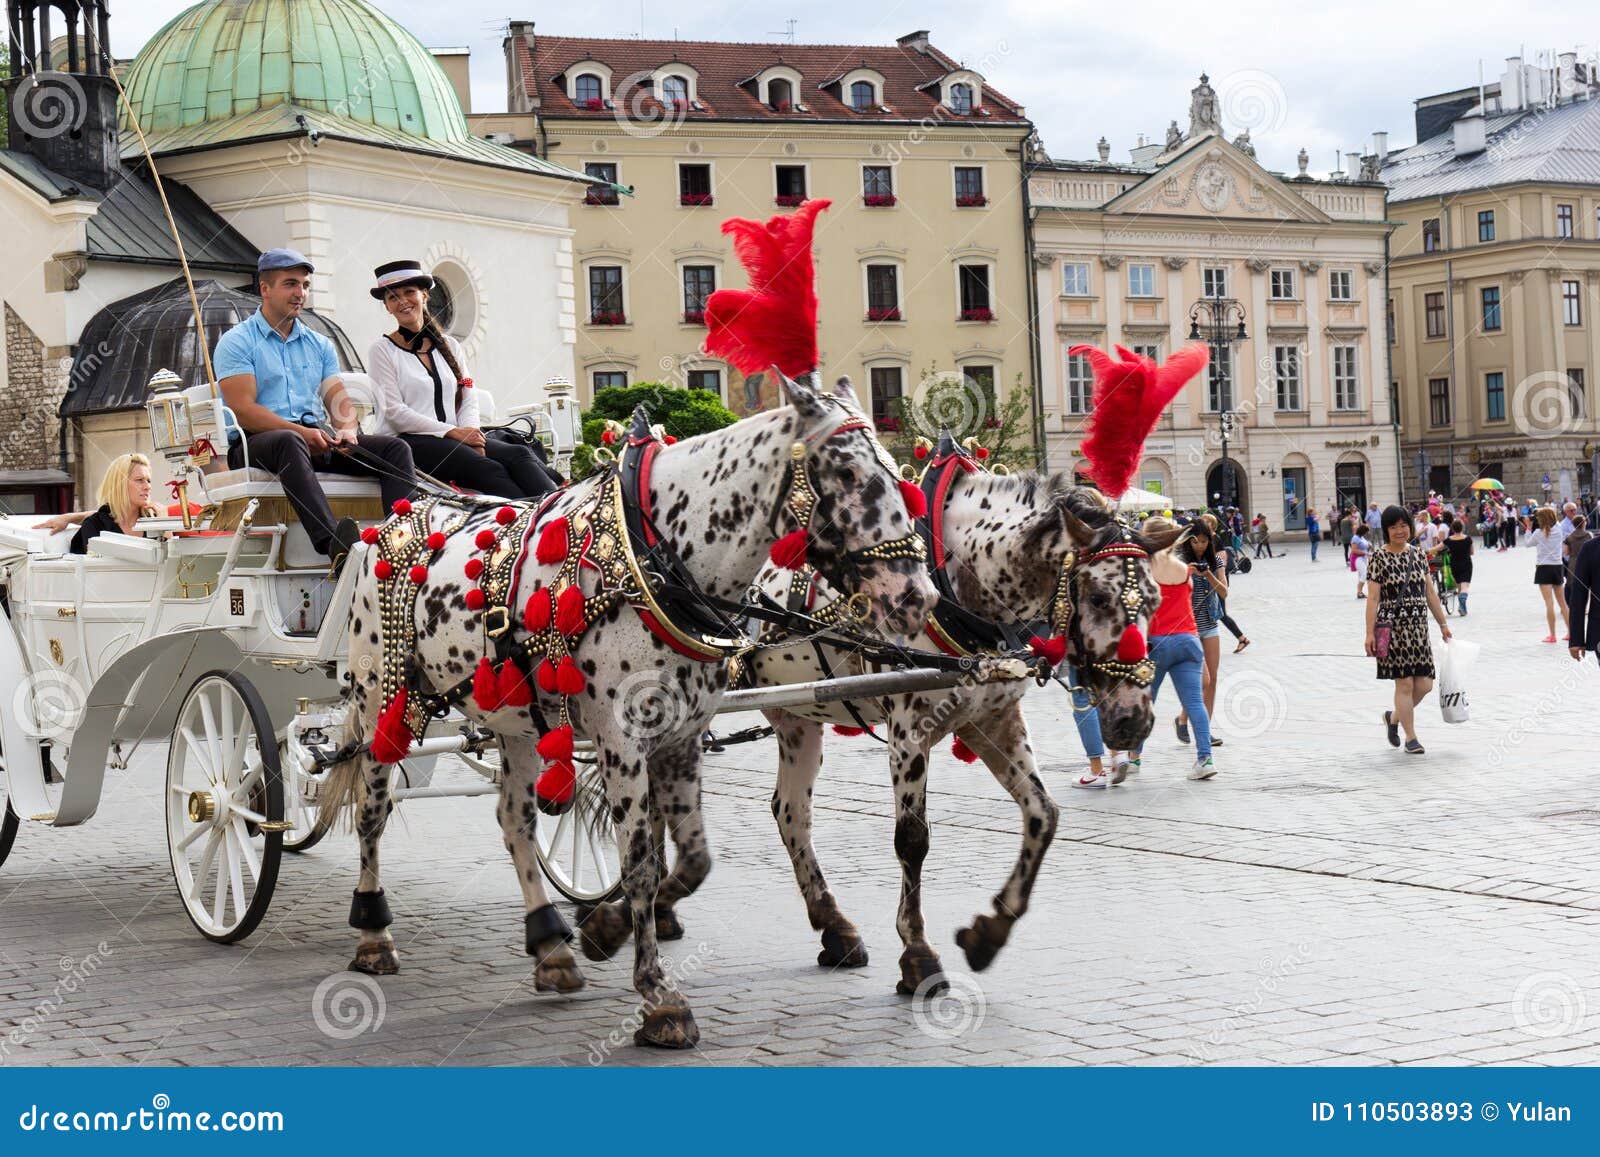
[(1401, 599)]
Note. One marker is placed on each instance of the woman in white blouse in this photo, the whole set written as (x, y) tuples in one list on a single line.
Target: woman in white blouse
[(426, 398)]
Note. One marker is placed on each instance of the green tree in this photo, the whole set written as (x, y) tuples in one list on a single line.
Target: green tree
[(946, 400), (680, 412), (5, 103)]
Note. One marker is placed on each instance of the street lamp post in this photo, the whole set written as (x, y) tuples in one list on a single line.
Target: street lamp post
[(1219, 322)]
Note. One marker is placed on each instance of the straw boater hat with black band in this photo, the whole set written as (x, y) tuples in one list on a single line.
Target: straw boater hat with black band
[(398, 273)]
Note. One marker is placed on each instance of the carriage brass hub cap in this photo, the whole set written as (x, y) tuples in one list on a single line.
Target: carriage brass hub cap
[(202, 807)]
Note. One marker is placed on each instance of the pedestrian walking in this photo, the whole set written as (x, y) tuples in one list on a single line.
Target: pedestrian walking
[(1458, 547), (1360, 549), (1549, 571), (1583, 601), (1313, 530), (1206, 592), (1580, 535), (1347, 531), (1261, 534), (1397, 625)]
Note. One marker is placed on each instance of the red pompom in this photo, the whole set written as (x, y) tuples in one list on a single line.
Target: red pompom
[(919, 453), (392, 739), (546, 677), (484, 539), (537, 614), (980, 453), (506, 515), (569, 680), (1052, 650), (841, 729), (916, 501), (383, 568), (962, 752), (475, 599), (369, 535), (608, 437), (552, 542), (789, 552), (419, 574), (669, 440), (1131, 648), (512, 686), (556, 745), (474, 568), (569, 611), (485, 687), (557, 783), (436, 540), (402, 506)]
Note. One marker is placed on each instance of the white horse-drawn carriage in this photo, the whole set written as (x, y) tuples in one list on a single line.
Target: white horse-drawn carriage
[(224, 635)]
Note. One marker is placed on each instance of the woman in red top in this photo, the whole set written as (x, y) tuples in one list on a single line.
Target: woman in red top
[(1175, 648)]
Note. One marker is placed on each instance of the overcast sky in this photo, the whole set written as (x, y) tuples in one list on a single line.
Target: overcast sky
[(1321, 76)]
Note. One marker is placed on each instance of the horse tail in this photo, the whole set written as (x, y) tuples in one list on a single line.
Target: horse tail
[(344, 784)]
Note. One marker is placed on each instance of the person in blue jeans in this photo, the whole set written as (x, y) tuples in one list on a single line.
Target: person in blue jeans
[(1313, 530), (1087, 720)]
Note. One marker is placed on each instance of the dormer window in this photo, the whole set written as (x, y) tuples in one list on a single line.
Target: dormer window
[(961, 99), (586, 91), (675, 92), (780, 95), (863, 96)]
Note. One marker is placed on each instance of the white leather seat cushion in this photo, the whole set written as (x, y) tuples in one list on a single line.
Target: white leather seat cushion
[(257, 483)]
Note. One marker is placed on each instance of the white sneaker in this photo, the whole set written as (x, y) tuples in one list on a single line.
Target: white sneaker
[(1092, 779), (1121, 768), (1203, 768)]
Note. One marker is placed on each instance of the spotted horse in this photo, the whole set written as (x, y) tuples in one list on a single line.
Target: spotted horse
[(1005, 551), (536, 619)]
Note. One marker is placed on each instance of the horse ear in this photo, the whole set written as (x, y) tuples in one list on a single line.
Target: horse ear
[(1079, 531), (802, 394), (844, 387)]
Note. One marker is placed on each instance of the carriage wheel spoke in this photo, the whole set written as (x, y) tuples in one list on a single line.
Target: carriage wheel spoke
[(200, 830), (201, 756), (208, 719), (577, 863), (235, 873), (197, 883), (233, 763), (248, 782), (252, 859), (219, 905)]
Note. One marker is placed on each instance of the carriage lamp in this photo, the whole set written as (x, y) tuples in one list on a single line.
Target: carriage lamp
[(168, 411)]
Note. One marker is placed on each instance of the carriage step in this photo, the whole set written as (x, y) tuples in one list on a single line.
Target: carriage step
[(44, 818)]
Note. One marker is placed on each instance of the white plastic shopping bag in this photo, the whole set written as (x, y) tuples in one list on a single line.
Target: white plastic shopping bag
[(1458, 657)]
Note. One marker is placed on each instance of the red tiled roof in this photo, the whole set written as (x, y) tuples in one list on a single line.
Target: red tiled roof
[(721, 67)]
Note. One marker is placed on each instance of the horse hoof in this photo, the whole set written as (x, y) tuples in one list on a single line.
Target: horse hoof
[(668, 926), (921, 974), (667, 1027), (560, 977), (842, 951), (604, 931), (384, 961), (982, 941)]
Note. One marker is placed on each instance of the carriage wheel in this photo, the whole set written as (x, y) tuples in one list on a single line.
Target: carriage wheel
[(8, 824), (309, 826), (225, 820), (578, 849)]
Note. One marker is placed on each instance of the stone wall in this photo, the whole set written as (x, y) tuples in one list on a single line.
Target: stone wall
[(36, 381)]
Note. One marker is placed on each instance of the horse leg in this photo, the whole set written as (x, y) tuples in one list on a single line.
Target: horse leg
[(1002, 743), (921, 974), (369, 908), (799, 761), (546, 933), (675, 798)]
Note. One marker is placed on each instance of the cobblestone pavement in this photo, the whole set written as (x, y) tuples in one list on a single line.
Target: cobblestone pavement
[(1325, 899)]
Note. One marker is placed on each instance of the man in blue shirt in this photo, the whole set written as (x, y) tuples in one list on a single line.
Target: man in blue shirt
[(282, 381)]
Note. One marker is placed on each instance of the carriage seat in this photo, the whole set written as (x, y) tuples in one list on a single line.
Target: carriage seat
[(20, 537), (253, 482)]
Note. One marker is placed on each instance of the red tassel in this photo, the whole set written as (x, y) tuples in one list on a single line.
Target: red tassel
[(538, 613), (920, 453), (669, 439), (436, 540), (383, 568), (569, 611), (402, 506), (512, 686), (475, 599), (546, 677), (1131, 648), (962, 752), (485, 687), (981, 453), (557, 783), (369, 535), (474, 568), (608, 437), (392, 739), (556, 746), (841, 729), (569, 680), (789, 552), (1052, 650), (552, 542), (419, 574), (916, 501), (484, 539)]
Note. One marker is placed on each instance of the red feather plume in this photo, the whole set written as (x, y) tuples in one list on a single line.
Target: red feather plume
[(774, 322), (1129, 395)]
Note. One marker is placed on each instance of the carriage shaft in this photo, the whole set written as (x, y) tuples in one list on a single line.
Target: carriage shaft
[(847, 687)]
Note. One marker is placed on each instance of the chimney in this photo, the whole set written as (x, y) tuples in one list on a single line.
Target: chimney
[(456, 63), (68, 123), (520, 97), (1511, 96), (1468, 135), (1380, 146), (1352, 166), (917, 40), (1567, 76)]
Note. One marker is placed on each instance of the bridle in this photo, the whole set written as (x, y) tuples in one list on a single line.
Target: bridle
[(1064, 607)]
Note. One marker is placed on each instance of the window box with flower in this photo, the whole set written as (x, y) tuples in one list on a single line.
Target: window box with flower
[(694, 317), (887, 424), (789, 200), (694, 198), (977, 315), (608, 317), (878, 200), (593, 104), (884, 313), (971, 201), (600, 197)]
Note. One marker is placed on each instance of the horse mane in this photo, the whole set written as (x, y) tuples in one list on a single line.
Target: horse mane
[(1050, 493)]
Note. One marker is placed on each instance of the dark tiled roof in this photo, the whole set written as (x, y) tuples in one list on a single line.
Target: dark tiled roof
[(909, 75), (1552, 146), (50, 185)]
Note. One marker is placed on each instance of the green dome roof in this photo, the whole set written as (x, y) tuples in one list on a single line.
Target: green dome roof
[(223, 60)]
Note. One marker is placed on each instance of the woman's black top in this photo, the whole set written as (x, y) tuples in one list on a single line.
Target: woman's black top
[(101, 521), (1460, 551)]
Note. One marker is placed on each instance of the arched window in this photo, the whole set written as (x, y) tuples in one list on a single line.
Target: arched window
[(674, 91), (863, 95), (961, 98), (587, 88), (780, 95)]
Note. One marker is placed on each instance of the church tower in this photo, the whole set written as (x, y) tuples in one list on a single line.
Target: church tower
[(63, 112)]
